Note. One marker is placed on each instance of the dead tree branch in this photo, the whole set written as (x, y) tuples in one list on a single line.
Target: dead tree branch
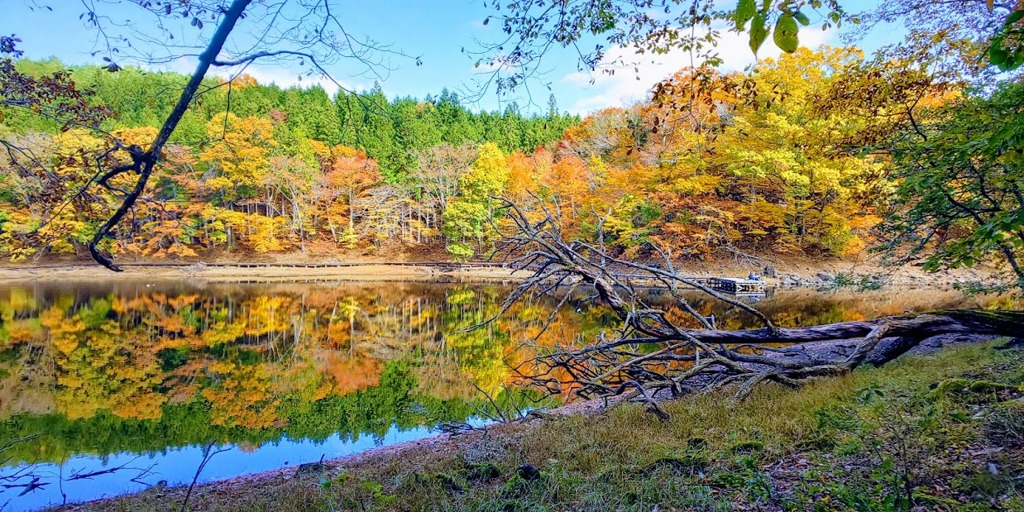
[(652, 356)]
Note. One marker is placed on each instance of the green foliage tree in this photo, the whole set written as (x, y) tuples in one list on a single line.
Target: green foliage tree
[(961, 195), (467, 219)]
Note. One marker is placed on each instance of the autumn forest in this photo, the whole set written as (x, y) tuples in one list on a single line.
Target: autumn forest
[(785, 158), (512, 255)]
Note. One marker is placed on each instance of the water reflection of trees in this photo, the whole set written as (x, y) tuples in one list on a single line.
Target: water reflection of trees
[(805, 307), (99, 370), (139, 368)]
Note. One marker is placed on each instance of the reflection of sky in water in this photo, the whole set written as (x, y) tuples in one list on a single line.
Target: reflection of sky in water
[(250, 345), (178, 466)]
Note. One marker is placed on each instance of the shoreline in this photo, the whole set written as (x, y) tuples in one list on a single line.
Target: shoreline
[(265, 273), (789, 274), (441, 443), (375, 272), (418, 457)]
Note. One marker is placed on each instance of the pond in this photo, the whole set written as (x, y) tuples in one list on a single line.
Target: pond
[(113, 388)]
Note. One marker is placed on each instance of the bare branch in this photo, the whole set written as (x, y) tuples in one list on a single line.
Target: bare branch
[(652, 355)]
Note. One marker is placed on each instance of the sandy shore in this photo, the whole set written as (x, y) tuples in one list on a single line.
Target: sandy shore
[(787, 274)]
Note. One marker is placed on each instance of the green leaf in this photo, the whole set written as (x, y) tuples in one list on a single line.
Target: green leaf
[(785, 34), (802, 18), (758, 32), (745, 10), (1014, 18), (997, 56)]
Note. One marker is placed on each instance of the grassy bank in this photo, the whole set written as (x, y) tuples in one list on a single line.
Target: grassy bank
[(943, 431)]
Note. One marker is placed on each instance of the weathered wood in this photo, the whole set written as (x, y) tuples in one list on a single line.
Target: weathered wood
[(924, 325)]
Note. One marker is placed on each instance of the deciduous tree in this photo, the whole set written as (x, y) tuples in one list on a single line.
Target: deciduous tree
[(467, 219), (960, 199)]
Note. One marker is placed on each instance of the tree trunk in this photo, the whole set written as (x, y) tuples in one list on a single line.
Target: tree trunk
[(650, 354), (919, 326), (143, 163)]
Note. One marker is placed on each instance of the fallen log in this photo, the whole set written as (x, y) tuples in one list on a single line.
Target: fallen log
[(920, 326), (651, 355)]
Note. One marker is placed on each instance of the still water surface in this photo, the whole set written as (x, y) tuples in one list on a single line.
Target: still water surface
[(112, 388)]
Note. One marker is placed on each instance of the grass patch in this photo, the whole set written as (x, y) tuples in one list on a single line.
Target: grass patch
[(940, 432)]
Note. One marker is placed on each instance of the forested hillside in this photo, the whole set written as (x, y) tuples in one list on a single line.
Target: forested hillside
[(252, 167), (786, 158)]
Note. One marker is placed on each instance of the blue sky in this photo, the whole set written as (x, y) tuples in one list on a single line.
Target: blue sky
[(436, 31)]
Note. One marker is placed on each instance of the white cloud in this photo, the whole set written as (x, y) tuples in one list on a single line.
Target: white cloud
[(266, 75), (284, 78), (635, 73), (478, 24)]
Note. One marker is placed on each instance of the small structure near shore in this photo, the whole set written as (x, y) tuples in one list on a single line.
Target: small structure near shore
[(730, 285), (735, 286)]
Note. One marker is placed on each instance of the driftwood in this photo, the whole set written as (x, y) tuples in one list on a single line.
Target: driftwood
[(652, 356)]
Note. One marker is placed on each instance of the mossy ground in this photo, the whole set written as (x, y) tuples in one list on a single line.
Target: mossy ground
[(943, 431)]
